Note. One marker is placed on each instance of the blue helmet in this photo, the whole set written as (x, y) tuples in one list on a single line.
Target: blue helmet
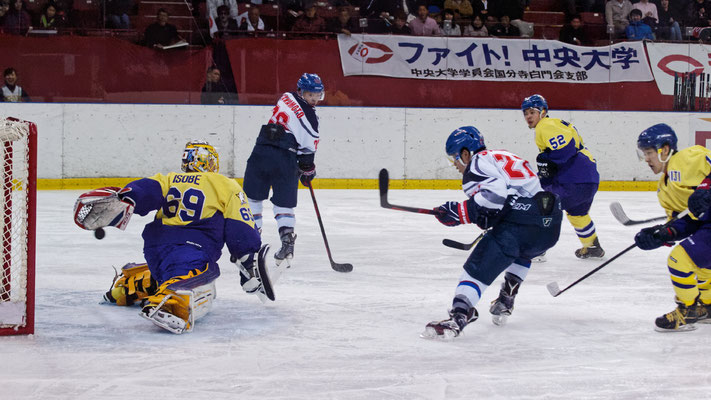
[(466, 137), (310, 83), (534, 101), (657, 136)]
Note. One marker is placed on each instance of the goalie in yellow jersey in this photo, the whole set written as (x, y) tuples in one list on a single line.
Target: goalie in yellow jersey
[(685, 183), (566, 168), (198, 212)]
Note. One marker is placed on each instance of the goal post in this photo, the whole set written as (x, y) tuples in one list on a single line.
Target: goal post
[(18, 195)]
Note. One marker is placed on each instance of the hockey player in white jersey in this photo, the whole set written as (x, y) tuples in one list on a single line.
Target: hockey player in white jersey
[(505, 196), (283, 155)]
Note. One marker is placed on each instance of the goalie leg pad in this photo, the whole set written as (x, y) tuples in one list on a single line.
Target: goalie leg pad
[(134, 284), (102, 207), (181, 300)]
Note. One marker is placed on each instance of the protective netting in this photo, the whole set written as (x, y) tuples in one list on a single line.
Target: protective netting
[(14, 146)]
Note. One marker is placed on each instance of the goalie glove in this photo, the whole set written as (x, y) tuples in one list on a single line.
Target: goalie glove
[(254, 276), (102, 207)]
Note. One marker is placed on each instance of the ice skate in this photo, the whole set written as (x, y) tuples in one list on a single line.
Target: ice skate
[(502, 307), (540, 259), (594, 251), (680, 319), (451, 327), (288, 237), (703, 312)]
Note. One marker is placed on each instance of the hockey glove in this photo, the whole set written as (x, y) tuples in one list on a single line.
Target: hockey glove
[(655, 236), (700, 201), (546, 168), (486, 217), (307, 174), (102, 207), (449, 213), (249, 278)]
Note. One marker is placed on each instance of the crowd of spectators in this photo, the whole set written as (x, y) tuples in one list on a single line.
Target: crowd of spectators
[(228, 19)]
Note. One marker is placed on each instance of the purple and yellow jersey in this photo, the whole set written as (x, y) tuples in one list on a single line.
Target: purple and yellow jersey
[(575, 163), (207, 210), (685, 170)]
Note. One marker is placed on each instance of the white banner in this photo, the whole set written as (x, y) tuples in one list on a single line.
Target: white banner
[(491, 59), (669, 58)]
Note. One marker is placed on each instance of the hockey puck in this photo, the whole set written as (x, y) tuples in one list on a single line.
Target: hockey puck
[(99, 233)]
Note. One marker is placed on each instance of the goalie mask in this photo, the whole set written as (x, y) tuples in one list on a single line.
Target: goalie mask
[(200, 156)]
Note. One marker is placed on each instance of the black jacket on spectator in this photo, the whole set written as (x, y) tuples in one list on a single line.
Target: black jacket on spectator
[(404, 31), (334, 25), (500, 30), (568, 34), (212, 92), (164, 35)]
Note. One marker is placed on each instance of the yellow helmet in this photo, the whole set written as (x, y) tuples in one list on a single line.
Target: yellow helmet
[(200, 156)]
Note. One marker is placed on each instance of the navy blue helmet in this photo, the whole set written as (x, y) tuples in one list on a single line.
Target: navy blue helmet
[(466, 137), (657, 136), (534, 101), (311, 83)]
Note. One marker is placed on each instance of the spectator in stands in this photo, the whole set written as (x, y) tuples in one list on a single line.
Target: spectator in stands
[(573, 32), (253, 22), (117, 13), (449, 27), (343, 23), (11, 91), (483, 8), (227, 27), (461, 8), (697, 13), (212, 6), (649, 13), (17, 19), (160, 33), (668, 27), (512, 8), (504, 28), (399, 26), (476, 28), (638, 30), (310, 21), (4, 8), (424, 25), (215, 90), (617, 15), (50, 19)]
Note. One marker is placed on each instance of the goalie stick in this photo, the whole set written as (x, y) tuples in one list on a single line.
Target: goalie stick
[(383, 182), (555, 291), (463, 246), (620, 216), (336, 266)]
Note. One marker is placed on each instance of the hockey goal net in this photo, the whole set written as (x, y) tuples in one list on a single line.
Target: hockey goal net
[(18, 144)]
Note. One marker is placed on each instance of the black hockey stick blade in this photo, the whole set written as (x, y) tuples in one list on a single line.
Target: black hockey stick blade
[(338, 267), (463, 246), (621, 217), (263, 273), (383, 183)]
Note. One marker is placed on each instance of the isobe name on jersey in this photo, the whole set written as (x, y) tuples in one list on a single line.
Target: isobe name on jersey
[(293, 106), (187, 178)]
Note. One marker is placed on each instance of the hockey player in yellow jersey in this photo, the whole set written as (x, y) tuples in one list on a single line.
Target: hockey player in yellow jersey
[(198, 212), (685, 183), (566, 168)]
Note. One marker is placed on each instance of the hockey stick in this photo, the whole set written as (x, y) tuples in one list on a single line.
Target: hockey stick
[(383, 182), (463, 246), (620, 216), (336, 266), (555, 291)]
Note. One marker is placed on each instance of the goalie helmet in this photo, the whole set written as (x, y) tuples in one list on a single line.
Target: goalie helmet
[(311, 83), (200, 156), (466, 137), (535, 101)]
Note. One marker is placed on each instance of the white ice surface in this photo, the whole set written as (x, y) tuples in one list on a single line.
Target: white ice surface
[(331, 335)]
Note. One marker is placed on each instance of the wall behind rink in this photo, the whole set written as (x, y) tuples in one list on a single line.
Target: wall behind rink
[(126, 141)]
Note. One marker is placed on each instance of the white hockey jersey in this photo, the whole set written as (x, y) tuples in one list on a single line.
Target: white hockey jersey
[(493, 175), (299, 119)]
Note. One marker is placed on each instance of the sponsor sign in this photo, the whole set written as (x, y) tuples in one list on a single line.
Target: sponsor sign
[(491, 59)]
